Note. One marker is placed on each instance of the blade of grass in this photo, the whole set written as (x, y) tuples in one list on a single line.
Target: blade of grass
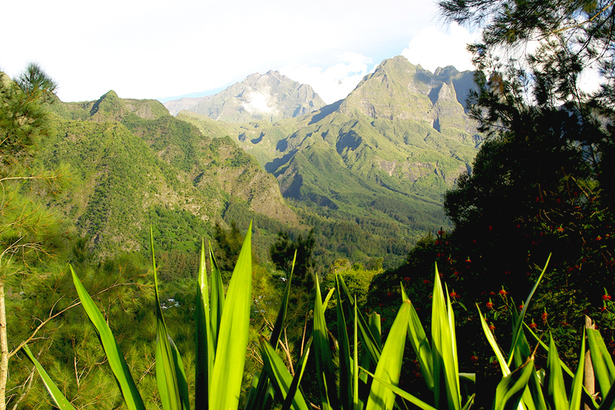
[(233, 335), (116, 360), (56, 394)]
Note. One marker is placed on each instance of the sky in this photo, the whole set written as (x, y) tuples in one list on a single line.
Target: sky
[(168, 49)]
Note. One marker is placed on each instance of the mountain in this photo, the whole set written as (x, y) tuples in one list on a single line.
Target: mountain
[(384, 156), (270, 97), (133, 164)]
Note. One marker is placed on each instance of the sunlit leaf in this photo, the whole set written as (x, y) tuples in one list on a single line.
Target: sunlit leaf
[(232, 341), (112, 350), (56, 394)]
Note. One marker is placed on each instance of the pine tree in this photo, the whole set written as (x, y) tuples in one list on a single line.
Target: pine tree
[(24, 223)]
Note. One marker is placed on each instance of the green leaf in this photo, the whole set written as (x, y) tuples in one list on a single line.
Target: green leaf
[(601, 360), (294, 386), (324, 361), (344, 352), (518, 327), (56, 394), (512, 387), (577, 383), (170, 375), (389, 365), (494, 345), (204, 344), (368, 335), (420, 344), (217, 296), (260, 390), (355, 362), (115, 357), (554, 380), (444, 348), (233, 335), (401, 393), (280, 376)]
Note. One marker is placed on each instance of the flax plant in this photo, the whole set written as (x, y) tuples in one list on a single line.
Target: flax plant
[(355, 370)]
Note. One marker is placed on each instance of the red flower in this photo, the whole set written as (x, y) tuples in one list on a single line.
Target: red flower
[(533, 325), (474, 358), (454, 294), (503, 292), (407, 279), (606, 297), (491, 327), (489, 305), (544, 317)]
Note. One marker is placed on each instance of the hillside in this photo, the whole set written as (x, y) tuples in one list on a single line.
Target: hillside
[(134, 165)]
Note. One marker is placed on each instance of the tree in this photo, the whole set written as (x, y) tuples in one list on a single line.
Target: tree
[(282, 253), (542, 181), (24, 223)]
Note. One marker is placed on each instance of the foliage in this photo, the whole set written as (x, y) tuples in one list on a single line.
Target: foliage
[(296, 255)]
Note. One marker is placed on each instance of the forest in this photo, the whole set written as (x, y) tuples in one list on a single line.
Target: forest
[(510, 307)]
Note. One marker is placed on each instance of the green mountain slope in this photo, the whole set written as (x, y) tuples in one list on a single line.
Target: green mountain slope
[(384, 156), (134, 165)]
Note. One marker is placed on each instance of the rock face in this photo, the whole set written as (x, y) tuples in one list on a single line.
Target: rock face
[(270, 97)]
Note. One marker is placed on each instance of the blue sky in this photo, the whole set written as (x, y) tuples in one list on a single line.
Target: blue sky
[(162, 49)]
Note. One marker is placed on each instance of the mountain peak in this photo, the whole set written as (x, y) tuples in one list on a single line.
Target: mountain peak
[(270, 96)]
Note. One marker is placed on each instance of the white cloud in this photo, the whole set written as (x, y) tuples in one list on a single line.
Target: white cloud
[(258, 103), (332, 83), (432, 48)]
